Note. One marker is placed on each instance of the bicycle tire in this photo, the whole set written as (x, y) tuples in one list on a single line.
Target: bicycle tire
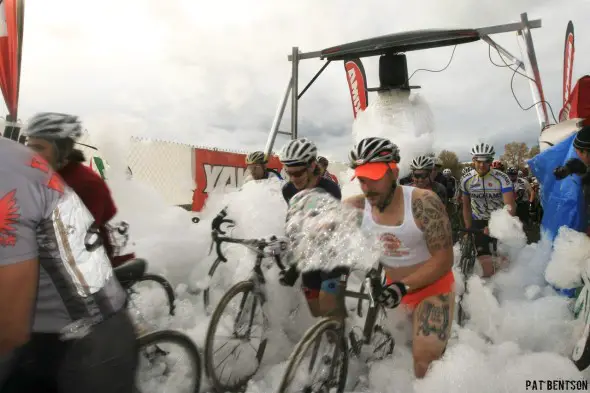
[(310, 337), (206, 294), (240, 287), (581, 353), (171, 297), (176, 337), (468, 257)]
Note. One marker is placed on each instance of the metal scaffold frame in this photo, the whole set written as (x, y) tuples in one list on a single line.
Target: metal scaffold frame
[(409, 41)]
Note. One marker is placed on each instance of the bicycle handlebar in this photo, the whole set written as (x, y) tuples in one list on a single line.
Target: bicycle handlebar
[(258, 244)]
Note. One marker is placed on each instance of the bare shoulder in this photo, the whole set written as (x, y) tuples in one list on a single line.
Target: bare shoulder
[(431, 216), (426, 205), (357, 201)]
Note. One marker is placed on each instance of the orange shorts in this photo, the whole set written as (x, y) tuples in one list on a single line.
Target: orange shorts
[(443, 285)]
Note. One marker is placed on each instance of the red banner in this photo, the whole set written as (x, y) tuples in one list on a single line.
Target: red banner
[(11, 35), (578, 103), (568, 61), (357, 83), (217, 169)]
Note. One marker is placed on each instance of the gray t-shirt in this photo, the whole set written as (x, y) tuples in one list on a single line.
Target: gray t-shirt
[(41, 218)]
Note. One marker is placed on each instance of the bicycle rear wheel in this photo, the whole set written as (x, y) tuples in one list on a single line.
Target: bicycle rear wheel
[(159, 372), (336, 361)]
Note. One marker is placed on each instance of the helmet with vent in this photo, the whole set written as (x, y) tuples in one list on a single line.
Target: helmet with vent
[(53, 126), (466, 170), (256, 157), (483, 151), (422, 162), (447, 172), (297, 152), (373, 149)]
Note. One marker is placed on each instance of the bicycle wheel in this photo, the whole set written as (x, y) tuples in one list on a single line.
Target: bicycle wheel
[(335, 380), (156, 350), (162, 282), (468, 257), (247, 305), (206, 293), (581, 353)]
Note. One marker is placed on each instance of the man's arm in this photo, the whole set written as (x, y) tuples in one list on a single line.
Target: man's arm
[(430, 216), (508, 198), (18, 289), (18, 261), (466, 202), (358, 202)]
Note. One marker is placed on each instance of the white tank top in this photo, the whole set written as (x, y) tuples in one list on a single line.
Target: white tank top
[(403, 245)]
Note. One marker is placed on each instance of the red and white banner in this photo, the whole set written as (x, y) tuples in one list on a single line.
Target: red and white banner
[(578, 103), (568, 61), (11, 35), (357, 83), (218, 169)]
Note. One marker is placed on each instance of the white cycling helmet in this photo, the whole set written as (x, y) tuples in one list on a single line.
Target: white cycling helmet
[(53, 126), (466, 170), (422, 162), (373, 149), (297, 152), (447, 172), (483, 151), (520, 174)]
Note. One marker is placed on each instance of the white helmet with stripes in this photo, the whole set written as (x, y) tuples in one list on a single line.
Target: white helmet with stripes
[(483, 150), (422, 162), (297, 152), (53, 126), (373, 149)]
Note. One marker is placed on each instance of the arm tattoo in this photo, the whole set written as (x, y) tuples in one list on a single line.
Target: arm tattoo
[(431, 214)]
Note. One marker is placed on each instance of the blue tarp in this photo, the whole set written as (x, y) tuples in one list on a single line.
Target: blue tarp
[(562, 200)]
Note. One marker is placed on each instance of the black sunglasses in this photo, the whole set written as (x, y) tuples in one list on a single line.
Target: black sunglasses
[(421, 175), (298, 173)]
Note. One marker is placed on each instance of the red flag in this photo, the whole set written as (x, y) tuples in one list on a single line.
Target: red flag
[(568, 61), (357, 83), (11, 37)]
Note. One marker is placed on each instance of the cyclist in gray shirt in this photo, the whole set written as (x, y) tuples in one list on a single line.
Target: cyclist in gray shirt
[(62, 315)]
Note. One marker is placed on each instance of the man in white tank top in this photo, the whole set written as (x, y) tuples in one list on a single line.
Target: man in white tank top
[(417, 247)]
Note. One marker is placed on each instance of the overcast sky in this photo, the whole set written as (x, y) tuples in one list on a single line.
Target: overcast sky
[(212, 72)]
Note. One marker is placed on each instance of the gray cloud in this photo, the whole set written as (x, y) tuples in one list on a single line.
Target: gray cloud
[(212, 73)]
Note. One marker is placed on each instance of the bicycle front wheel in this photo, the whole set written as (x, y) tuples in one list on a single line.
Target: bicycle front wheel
[(239, 335), (160, 368), (328, 361)]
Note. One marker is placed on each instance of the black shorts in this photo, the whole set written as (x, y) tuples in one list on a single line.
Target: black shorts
[(484, 245), (317, 280), (103, 361)]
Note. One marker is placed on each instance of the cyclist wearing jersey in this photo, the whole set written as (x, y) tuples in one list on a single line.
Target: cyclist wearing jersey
[(61, 308), (452, 188), (300, 159), (485, 190), (417, 255), (422, 167), (52, 136), (523, 195), (437, 175), (323, 165), (256, 164)]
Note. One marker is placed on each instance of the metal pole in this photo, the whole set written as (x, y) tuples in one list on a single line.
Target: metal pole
[(276, 123), (294, 90), (532, 84), (534, 68)]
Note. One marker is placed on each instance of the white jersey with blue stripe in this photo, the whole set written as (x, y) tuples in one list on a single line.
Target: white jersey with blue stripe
[(485, 193)]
